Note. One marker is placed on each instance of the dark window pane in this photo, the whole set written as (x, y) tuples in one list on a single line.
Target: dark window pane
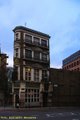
[(44, 57), (36, 41), (28, 53), (37, 55), (28, 38), (44, 43)]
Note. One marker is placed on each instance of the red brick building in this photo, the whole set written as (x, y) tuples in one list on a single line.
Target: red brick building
[(72, 62)]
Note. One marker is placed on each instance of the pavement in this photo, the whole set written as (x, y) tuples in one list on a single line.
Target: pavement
[(38, 108)]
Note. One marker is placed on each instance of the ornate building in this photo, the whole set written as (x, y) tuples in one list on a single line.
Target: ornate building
[(31, 66)]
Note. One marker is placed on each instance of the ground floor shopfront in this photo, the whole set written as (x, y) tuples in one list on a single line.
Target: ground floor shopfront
[(29, 94)]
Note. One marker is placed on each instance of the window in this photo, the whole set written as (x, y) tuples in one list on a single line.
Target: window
[(36, 55), (77, 69), (77, 62), (44, 57), (17, 36), (44, 43), (16, 52), (31, 95), (36, 41), (36, 75), (28, 74), (44, 74), (28, 38), (74, 63), (28, 53), (67, 67)]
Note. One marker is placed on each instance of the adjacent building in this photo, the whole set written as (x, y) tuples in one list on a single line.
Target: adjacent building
[(9, 77), (66, 87), (3, 79), (31, 65), (72, 62)]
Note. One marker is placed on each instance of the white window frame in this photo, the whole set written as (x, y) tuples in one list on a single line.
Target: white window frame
[(25, 53), (28, 35), (28, 74), (43, 57), (36, 75), (32, 95), (38, 40), (46, 42), (43, 75), (17, 52), (18, 37), (35, 55)]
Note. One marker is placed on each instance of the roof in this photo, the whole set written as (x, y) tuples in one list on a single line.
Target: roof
[(30, 30), (71, 58)]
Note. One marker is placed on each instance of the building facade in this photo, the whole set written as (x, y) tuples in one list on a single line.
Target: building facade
[(9, 77), (66, 87), (72, 62), (31, 63), (3, 79)]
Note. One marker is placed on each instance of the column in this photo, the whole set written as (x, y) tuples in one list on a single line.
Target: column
[(32, 74), (23, 73), (18, 72), (40, 75)]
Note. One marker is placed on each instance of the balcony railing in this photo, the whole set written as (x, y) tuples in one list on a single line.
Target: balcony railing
[(35, 59), (35, 43)]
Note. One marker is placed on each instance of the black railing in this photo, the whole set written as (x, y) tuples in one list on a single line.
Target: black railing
[(36, 59), (35, 43)]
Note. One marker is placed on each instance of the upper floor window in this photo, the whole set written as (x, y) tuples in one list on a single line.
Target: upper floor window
[(28, 74), (28, 53), (28, 38), (44, 57), (36, 75), (77, 62), (67, 67), (44, 43), (74, 63), (16, 52), (36, 55), (36, 41), (17, 35), (44, 74)]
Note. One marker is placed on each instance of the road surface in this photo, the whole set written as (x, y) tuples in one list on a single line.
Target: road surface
[(64, 113)]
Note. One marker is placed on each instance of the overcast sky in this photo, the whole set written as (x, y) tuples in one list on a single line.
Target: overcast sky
[(58, 18)]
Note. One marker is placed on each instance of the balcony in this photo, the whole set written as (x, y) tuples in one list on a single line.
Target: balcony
[(33, 43), (34, 59)]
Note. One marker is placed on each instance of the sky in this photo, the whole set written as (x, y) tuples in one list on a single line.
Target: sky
[(58, 18)]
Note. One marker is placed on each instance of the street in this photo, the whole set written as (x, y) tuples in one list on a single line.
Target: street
[(56, 113)]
